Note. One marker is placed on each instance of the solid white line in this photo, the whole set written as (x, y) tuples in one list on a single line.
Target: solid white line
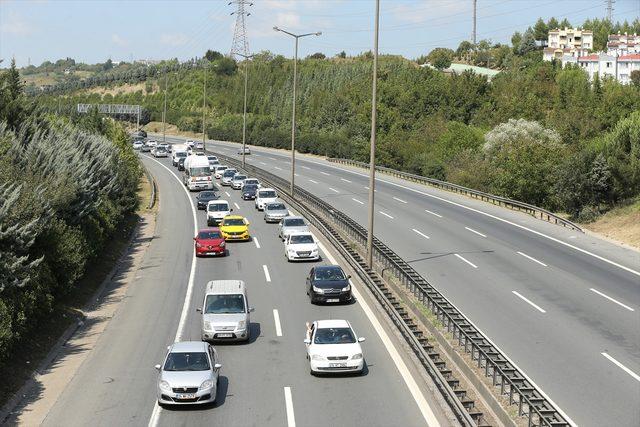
[(621, 366), (263, 163), (266, 273), (334, 190), (157, 410), (305, 167), (324, 173), (420, 233), (415, 391), (474, 231), (276, 319), (295, 174), (611, 299), (345, 180), (315, 182), (399, 200), (366, 188), (537, 307), (272, 158), (532, 259), (433, 213), (386, 214), (276, 167), (357, 201), (255, 240), (288, 402), (236, 205), (466, 260), (227, 193)]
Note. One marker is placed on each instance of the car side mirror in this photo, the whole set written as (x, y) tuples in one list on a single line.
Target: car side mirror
[(217, 366), (199, 310), (251, 309), (307, 341), (247, 223), (157, 367), (361, 339), (194, 238)]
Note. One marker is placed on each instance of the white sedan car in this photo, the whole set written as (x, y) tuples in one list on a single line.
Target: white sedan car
[(301, 247), (333, 347)]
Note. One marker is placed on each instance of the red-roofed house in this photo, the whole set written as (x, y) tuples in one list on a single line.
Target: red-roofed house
[(627, 64), (623, 44)]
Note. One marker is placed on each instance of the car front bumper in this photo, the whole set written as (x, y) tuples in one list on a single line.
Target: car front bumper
[(336, 366), (238, 237), (200, 397), (274, 218), (248, 197), (200, 185), (237, 335), (343, 297), (210, 251), (296, 257)]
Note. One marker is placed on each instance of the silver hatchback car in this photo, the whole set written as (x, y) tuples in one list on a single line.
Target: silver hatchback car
[(188, 374), (292, 224), (275, 211)]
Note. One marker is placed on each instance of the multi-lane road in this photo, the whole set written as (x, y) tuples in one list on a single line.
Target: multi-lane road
[(564, 306), (263, 383)]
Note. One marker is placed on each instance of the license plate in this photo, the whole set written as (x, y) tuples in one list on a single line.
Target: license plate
[(185, 396), (337, 365), (333, 300), (225, 335)]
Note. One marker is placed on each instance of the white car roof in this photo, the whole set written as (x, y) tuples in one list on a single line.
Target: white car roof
[(294, 217), (333, 323), (301, 233), (268, 189), (218, 287), (216, 202), (189, 346)]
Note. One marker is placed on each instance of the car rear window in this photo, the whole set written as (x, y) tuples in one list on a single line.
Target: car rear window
[(209, 235), (266, 194), (218, 207), (294, 222)]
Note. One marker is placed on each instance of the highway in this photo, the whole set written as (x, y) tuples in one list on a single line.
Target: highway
[(117, 383), (563, 306)]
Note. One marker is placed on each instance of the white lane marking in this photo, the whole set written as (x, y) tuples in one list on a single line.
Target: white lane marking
[(357, 201), (474, 231), (276, 319), (621, 366), (273, 158), (433, 213), (263, 163), (386, 214), (295, 174), (420, 233), (305, 167), (324, 173), (276, 167), (415, 391), (255, 240), (466, 260), (532, 304), (266, 273), (532, 258), (157, 410), (315, 182), (227, 193), (611, 299), (236, 205), (399, 200), (288, 402), (345, 180), (334, 190), (366, 188)]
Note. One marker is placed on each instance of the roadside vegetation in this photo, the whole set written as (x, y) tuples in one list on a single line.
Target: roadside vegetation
[(68, 187)]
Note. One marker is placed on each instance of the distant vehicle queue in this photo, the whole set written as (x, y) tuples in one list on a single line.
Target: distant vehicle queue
[(225, 312)]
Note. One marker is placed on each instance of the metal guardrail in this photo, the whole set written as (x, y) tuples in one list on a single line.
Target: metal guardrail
[(535, 211), (531, 403)]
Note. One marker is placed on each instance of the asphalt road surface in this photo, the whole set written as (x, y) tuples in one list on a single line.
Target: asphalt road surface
[(564, 306)]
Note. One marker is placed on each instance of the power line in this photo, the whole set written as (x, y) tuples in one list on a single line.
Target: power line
[(609, 4), (240, 44)]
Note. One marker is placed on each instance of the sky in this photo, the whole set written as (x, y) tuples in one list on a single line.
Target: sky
[(91, 31)]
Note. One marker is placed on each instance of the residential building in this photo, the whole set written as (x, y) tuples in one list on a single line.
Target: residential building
[(623, 44), (568, 41), (626, 65)]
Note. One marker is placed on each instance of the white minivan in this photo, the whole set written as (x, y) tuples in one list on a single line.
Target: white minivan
[(216, 211), (197, 173), (178, 151), (225, 311)]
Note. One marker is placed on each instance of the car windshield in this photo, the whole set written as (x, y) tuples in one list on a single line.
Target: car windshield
[(334, 336), (329, 274), (196, 361), (229, 172), (276, 207), (251, 181), (224, 304), (250, 187), (208, 235), (181, 154), (267, 194), (212, 158), (207, 195), (239, 177), (218, 207), (200, 171), (233, 221), (294, 222), (305, 238)]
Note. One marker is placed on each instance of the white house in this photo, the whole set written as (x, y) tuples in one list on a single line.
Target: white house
[(627, 64), (623, 44), (569, 41)]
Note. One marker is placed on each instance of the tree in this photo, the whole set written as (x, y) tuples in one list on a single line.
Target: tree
[(14, 84), (441, 57), (317, 55), (225, 66), (635, 78), (212, 55), (552, 24), (107, 65), (528, 43), (516, 39), (541, 31), (342, 54), (463, 49), (565, 23)]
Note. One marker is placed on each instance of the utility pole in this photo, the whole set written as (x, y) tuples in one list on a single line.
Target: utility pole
[(138, 120), (204, 107), (609, 4), (244, 109), (372, 155), (293, 112), (164, 110), (240, 44), (475, 4)]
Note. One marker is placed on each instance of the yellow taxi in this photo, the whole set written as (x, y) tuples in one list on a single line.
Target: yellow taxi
[(235, 227)]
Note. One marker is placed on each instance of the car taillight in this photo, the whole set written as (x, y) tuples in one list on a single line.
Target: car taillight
[(208, 178)]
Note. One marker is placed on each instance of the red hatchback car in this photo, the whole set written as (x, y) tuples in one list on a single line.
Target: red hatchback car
[(209, 241)]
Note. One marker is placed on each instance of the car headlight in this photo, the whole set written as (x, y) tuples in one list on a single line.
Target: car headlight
[(317, 357), (314, 251), (356, 356), (198, 245), (222, 244), (346, 288), (206, 385), (164, 386), (242, 324), (207, 325), (318, 290)]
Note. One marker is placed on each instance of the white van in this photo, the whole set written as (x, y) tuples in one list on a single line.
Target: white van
[(216, 211), (197, 173), (178, 151), (225, 311)]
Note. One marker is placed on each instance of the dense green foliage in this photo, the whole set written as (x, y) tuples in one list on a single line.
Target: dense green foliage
[(64, 188)]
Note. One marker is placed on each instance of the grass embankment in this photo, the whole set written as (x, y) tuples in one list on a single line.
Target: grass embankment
[(621, 224), (32, 349), (156, 127)]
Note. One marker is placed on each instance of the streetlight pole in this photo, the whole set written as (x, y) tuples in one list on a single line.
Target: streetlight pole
[(293, 112), (164, 110), (244, 110), (372, 155), (204, 105)]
